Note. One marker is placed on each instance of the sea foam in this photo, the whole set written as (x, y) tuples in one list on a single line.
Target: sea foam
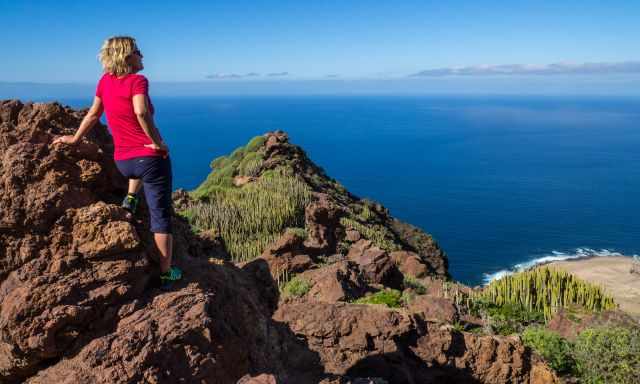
[(578, 253)]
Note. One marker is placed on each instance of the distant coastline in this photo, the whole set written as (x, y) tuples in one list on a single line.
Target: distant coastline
[(554, 258)]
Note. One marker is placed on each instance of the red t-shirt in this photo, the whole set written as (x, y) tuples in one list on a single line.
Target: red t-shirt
[(117, 94)]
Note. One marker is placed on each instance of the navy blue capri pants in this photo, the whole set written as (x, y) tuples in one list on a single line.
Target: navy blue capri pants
[(155, 173)]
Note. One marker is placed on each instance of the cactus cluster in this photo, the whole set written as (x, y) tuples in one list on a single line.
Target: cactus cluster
[(546, 290), (251, 217)]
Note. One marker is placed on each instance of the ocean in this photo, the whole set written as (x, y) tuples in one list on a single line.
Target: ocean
[(501, 182)]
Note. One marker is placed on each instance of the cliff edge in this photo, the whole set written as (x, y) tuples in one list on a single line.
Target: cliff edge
[(78, 304)]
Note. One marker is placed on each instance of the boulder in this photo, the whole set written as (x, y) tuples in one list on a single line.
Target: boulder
[(409, 263), (345, 334), (434, 309), (569, 325), (375, 264), (287, 255), (424, 245), (341, 281), (461, 357), (371, 341), (321, 220)]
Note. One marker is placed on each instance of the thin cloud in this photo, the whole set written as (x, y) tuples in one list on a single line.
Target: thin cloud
[(217, 76), (274, 74), (332, 75), (529, 69)]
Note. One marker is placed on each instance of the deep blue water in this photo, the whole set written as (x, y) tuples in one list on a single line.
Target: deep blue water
[(497, 181)]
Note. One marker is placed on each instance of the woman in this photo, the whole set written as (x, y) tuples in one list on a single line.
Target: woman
[(139, 152)]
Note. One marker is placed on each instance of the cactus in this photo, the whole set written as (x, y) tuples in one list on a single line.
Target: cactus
[(546, 290), (251, 217)]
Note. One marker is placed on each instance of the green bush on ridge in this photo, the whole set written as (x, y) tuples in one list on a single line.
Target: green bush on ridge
[(245, 161), (555, 349), (296, 287), (608, 355), (392, 298)]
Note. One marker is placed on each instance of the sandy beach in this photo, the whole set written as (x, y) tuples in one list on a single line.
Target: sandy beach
[(611, 272)]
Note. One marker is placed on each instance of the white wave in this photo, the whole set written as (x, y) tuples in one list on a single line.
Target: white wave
[(578, 253)]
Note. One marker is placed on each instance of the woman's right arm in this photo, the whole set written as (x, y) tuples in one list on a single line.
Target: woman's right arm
[(89, 120), (145, 118)]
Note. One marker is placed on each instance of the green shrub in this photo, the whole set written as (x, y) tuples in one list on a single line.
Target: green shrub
[(555, 350), (296, 287), (299, 232), (457, 326), (245, 160), (411, 282), (255, 144), (392, 298), (505, 319), (608, 355), (237, 154), (365, 213), (219, 162)]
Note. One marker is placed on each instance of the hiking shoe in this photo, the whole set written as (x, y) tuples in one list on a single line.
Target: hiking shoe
[(168, 278), (130, 203)]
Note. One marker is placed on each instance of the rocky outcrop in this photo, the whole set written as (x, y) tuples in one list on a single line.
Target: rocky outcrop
[(321, 220), (79, 302), (340, 281), (287, 255), (569, 325), (375, 264), (360, 340), (424, 245)]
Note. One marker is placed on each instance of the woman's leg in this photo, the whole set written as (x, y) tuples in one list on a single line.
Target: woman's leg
[(157, 180), (164, 242), (134, 186)]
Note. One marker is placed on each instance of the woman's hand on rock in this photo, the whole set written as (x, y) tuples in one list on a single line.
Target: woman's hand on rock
[(68, 139)]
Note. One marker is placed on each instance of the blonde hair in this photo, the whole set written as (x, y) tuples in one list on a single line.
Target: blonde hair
[(114, 54)]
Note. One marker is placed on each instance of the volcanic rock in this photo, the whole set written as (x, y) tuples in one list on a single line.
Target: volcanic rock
[(341, 281), (79, 301), (375, 264), (434, 309), (321, 220)]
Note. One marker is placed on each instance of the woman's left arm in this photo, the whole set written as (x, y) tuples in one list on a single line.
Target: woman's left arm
[(89, 120)]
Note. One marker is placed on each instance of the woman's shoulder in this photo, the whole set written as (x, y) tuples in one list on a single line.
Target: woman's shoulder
[(137, 77)]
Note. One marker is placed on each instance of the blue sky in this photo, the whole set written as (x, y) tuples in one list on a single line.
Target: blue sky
[(57, 42)]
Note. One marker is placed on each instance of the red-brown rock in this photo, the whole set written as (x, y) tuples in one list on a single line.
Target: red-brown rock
[(569, 326), (375, 264), (341, 281), (287, 255), (466, 358), (434, 309), (361, 341), (76, 302), (321, 220), (409, 263)]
